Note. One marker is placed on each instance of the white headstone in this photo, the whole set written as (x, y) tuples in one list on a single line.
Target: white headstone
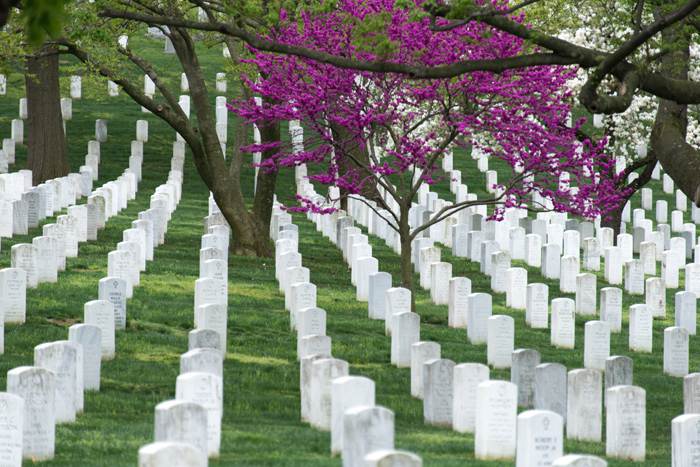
[(540, 438), (501, 336), (405, 333), (496, 412), (65, 359), (641, 327), (625, 423), (467, 377), (347, 392), (596, 347), (37, 387), (184, 422), (421, 352), (584, 405), (563, 323), (89, 337), (676, 351), (438, 392), (204, 389), (366, 429), (13, 294)]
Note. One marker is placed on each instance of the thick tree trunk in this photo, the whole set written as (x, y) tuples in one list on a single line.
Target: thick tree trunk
[(249, 238), (47, 157), (680, 160)]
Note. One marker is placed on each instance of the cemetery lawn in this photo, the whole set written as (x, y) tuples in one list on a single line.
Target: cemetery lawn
[(261, 423)]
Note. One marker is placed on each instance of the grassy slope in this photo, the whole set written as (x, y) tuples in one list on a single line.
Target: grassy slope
[(261, 421)]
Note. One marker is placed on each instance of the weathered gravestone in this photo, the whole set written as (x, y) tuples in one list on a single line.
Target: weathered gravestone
[(184, 422), (625, 423), (619, 370), (551, 388), (467, 377), (685, 440), (204, 339), (691, 393), (113, 290), (478, 312), (596, 347), (13, 294), (347, 392), (206, 390), (323, 372), (641, 323), (676, 342), (501, 336), (563, 334), (366, 429), (584, 405), (202, 361), (100, 313), (496, 412), (65, 359), (421, 352), (438, 392), (540, 438), (406, 332), (89, 337), (522, 374), (11, 429), (37, 387), (379, 283), (213, 316), (611, 307)]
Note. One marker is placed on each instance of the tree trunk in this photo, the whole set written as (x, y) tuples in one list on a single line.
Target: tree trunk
[(348, 144), (680, 160), (613, 219), (47, 157), (406, 266), (249, 238), (267, 180)]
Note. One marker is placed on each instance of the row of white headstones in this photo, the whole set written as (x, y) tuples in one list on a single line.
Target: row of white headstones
[(331, 400), (432, 380), (24, 206), (188, 428), (52, 391), (675, 336), (41, 260)]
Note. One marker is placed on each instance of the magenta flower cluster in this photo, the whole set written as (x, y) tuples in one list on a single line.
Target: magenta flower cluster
[(518, 117)]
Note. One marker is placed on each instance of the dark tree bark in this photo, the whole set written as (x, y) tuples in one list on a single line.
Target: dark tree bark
[(680, 160), (5, 10), (266, 181), (248, 236), (47, 157)]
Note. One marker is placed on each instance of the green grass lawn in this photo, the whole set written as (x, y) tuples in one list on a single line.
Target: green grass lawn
[(261, 423)]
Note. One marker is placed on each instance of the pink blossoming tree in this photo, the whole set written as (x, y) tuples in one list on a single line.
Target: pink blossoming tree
[(379, 136)]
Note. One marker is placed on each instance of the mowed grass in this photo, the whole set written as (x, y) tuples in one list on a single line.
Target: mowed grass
[(261, 423)]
